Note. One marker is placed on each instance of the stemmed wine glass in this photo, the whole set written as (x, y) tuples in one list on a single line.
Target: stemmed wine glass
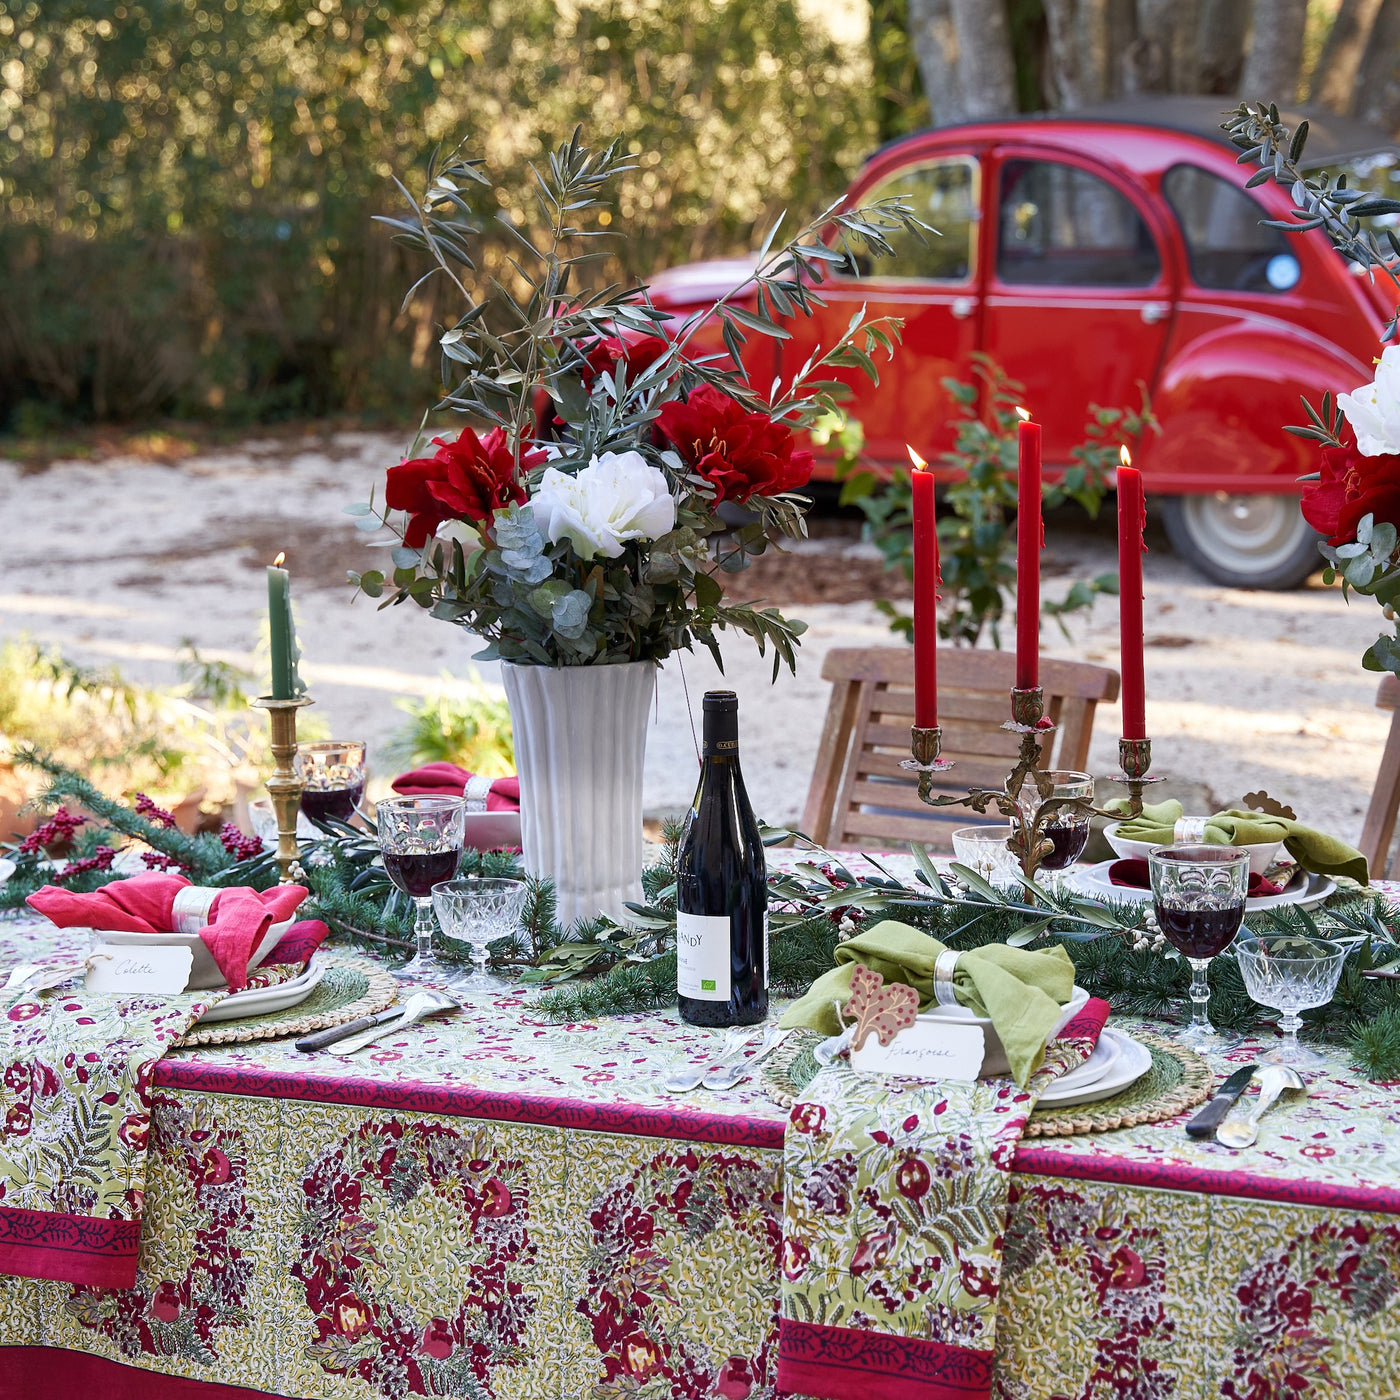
[(1067, 828), (1290, 973), (1199, 894), (421, 840), (478, 911), (332, 772)]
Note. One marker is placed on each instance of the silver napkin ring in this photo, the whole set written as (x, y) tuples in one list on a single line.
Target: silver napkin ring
[(476, 792), (190, 911), (1190, 829), (943, 991)]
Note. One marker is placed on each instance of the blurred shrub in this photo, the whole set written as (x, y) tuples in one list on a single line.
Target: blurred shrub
[(465, 722), (186, 185)]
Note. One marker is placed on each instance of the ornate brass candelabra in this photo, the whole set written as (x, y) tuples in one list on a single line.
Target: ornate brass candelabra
[(1028, 719), (284, 787)]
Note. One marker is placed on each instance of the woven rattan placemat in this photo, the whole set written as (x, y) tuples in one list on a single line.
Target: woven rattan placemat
[(350, 987), (1179, 1079)]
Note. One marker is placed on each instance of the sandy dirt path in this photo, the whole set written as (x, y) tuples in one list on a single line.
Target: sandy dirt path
[(118, 561)]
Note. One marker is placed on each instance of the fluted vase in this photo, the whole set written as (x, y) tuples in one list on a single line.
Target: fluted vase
[(580, 741)]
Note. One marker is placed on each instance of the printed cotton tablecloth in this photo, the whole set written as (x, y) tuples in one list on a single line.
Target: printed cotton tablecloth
[(493, 1207)]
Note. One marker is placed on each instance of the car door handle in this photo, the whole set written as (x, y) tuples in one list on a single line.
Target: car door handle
[(1154, 311), (962, 308)]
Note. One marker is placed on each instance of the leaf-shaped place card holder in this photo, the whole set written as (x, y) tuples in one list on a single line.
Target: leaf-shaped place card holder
[(887, 1035)]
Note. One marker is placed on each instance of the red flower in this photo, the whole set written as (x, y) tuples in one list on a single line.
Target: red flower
[(25, 1011), (808, 1117), (641, 1356), (978, 1282), (214, 1169), (470, 479), (135, 1131), (608, 352), (496, 1200), (735, 1379), (795, 1257), (166, 1303), (912, 1178), (437, 1340), (18, 1119), (741, 454), (1126, 1269), (352, 1317), (872, 1251), (1351, 486)]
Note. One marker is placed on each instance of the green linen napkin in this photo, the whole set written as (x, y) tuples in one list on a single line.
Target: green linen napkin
[(1021, 992), (1313, 850)]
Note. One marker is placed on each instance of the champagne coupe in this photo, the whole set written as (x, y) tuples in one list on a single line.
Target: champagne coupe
[(1067, 828), (421, 842), (1199, 894), (1290, 973), (332, 773), (478, 911)]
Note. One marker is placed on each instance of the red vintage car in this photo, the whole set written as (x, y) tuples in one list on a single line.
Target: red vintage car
[(1094, 252)]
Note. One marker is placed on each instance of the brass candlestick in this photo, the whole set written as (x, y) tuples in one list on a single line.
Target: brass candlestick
[(284, 787), (1027, 841)]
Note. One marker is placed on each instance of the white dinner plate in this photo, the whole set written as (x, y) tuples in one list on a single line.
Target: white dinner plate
[(261, 1001), (1133, 1061), (1093, 1069), (1304, 889)]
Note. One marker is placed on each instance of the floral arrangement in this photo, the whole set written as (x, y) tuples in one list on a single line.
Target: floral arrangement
[(618, 464), (1354, 497)]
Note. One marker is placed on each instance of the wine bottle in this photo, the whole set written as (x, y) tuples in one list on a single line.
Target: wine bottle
[(721, 887)]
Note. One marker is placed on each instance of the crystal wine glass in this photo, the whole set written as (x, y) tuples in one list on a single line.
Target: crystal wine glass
[(984, 851), (1199, 894), (1067, 828), (478, 911), (421, 841), (1290, 973), (332, 772)]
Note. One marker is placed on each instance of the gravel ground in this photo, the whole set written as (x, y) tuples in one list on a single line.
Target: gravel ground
[(119, 560)]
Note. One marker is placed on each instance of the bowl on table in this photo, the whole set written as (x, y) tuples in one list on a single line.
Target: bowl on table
[(491, 831), (204, 971), (1261, 856)]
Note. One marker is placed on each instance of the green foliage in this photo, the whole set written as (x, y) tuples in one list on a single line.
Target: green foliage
[(464, 722), (976, 526), (185, 185)]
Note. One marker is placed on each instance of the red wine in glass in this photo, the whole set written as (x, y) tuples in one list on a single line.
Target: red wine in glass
[(337, 802), (416, 872), (1068, 839), (1197, 932)]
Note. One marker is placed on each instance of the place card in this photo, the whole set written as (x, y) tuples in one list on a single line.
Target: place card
[(929, 1049), (161, 968)]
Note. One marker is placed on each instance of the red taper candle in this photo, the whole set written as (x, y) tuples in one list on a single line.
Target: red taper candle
[(1132, 521), (1030, 540), (927, 579)]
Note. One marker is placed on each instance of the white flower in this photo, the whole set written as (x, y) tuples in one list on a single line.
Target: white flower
[(618, 497), (1374, 409)]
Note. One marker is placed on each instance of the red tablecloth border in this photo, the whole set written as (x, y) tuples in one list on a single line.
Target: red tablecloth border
[(73, 1375)]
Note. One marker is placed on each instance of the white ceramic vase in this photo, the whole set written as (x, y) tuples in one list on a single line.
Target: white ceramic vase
[(580, 738)]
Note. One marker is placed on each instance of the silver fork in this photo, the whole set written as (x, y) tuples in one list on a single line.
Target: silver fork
[(722, 1077), (688, 1077)]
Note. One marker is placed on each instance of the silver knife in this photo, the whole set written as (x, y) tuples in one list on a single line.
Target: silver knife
[(1204, 1124), (320, 1039)]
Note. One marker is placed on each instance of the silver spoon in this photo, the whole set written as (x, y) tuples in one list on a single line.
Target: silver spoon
[(1273, 1080), (688, 1077), (722, 1077), (419, 1005)]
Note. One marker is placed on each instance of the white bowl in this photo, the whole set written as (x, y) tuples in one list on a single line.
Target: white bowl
[(204, 971), (870, 1057), (1261, 856), (491, 831)]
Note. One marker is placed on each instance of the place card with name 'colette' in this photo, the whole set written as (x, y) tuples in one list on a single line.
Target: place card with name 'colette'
[(161, 968)]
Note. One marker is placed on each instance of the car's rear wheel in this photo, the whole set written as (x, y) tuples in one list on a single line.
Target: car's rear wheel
[(1243, 541)]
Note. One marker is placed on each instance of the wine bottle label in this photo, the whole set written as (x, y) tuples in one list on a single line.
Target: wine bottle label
[(702, 956)]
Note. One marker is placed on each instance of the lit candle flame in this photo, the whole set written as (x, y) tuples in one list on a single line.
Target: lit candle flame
[(281, 555), (1025, 413), (1124, 456), (919, 464)]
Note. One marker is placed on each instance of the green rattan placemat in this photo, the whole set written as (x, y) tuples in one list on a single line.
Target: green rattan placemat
[(1179, 1079), (351, 987)]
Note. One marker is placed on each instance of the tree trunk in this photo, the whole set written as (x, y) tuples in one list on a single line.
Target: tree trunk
[(1220, 35), (988, 76), (1276, 53), (1072, 86), (936, 49), (1334, 79), (1378, 82)]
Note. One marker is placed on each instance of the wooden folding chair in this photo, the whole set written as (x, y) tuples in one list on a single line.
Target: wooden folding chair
[(861, 798), (1378, 830)]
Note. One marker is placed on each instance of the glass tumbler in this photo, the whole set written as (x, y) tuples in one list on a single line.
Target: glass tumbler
[(1290, 973), (1199, 894), (332, 772)]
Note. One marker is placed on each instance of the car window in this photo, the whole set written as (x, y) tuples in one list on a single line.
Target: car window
[(944, 194), (1064, 227), (1227, 248)]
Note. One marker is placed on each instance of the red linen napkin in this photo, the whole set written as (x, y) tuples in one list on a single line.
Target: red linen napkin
[(1135, 874), (450, 780), (298, 943), (238, 918)]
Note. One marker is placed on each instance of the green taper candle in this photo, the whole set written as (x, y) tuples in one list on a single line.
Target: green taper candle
[(286, 684)]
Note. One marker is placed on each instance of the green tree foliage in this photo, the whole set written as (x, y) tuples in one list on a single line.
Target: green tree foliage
[(186, 186)]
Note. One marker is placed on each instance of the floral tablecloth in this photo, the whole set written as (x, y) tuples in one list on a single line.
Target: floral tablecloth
[(493, 1207)]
